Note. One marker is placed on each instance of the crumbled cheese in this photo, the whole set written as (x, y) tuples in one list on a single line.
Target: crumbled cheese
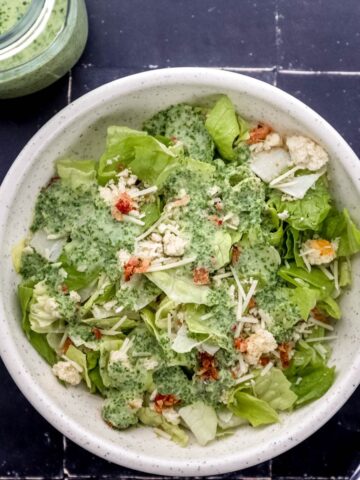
[(271, 140), (67, 372), (174, 245), (257, 344), (171, 415), (213, 191), (123, 257), (150, 363), (136, 403), (305, 153), (283, 215), (75, 296), (316, 254)]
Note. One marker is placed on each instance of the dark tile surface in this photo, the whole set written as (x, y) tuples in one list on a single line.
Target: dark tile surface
[(319, 34), (331, 452), (168, 33), (260, 38), (28, 444), (335, 97), (21, 118)]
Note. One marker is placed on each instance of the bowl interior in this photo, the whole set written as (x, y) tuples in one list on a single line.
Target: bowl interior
[(80, 130)]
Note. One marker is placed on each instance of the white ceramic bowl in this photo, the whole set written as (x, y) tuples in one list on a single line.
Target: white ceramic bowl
[(80, 129)]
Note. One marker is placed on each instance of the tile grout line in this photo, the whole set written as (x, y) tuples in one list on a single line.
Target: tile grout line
[(318, 72), (69, 89), (277, 41), (65, 471)]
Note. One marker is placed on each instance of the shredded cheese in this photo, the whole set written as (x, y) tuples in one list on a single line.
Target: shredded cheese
[(250, 294), (283, 176), (266, 369), (180, 263), (130, 219), (118, 324), (321, 339), (152, 228), (244, 378), (321, 324), (336, 275), (142, 193), (238, 283), (326, 272)]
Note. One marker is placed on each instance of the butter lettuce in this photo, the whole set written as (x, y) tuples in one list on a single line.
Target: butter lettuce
[(307, 213), (76, 172), (256, 411), (144, 155), (308, 373), (180, 288), (339, 225), (302, 278), (153, 419), (224, 128), (37, 340), (201, 419), (275, 389)]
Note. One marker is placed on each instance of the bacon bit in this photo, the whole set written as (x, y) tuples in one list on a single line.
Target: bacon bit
[(124, 203), (259, 133), (318, 315), (284, 350), (264, 360), (324, 247), (67, 344), (201, 276), (233, 374), (240, 344), (181, 202), (64, 288), (96, 333), (252, 303), (208, 370), (173, 139), (135, 265), (165, 401), (116, 214), (215, 220), (235, 254), (52, 180)]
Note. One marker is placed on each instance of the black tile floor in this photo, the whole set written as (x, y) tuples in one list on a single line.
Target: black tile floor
[(311, 49)]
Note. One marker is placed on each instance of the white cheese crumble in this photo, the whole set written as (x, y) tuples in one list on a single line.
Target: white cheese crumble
[(272, 140), (305, 153), (257, 344), (67, 372), (317, 254)]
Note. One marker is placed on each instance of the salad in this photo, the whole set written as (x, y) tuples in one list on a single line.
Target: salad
[(191, 275)]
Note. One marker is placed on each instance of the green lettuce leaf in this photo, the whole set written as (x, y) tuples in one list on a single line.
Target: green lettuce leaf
[(201, 419), (315, 279), (340, 225), (274, 388), (314, 385), (37, 340), (330, 306), (256, 411), (153, 419), (305, 299), (221, 242), (77, 356), (144, 155), (76, 172), (308, 373), (223, 126), (180, 288), (307, 213)]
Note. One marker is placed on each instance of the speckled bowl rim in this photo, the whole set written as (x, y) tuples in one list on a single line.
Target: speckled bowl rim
[(9, 350)]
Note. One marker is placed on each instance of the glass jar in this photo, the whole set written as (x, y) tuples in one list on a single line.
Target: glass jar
[(40, 40)]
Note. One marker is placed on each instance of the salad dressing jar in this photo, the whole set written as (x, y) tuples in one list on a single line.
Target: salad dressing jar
[(40, 40)]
